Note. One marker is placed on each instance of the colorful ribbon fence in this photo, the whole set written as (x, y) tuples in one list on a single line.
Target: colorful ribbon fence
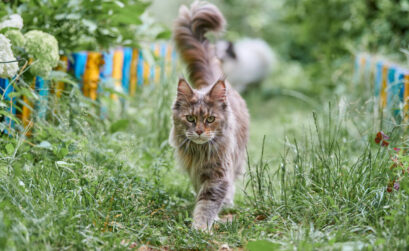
[(121, 69), (390, 82)]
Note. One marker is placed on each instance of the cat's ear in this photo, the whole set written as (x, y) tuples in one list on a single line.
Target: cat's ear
[(218, 91), (184, 89)]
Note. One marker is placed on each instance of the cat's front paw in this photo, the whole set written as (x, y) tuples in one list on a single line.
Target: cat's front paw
[(228, 203), (201, 225)]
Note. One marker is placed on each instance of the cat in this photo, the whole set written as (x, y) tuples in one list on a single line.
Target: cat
[(210, 119), (246, 62)]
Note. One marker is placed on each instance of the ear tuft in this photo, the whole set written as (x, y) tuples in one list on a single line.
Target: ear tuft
[(184, 89), (218, 91)]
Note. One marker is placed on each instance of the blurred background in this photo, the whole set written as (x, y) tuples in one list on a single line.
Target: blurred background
[(321, 37)]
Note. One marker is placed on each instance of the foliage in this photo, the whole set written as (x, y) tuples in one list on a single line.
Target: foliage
[(323, 35), (86, 24)]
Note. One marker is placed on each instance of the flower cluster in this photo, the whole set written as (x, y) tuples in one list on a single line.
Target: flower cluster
[(13, 21), (8, 64), (381, 138), (16, 37), (399, 167), (43, 48)]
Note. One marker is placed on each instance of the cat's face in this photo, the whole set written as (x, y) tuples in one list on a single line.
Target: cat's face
[(200, 116)]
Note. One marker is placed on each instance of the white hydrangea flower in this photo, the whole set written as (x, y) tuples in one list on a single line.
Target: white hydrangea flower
[(7, 70), (16, 37), (43, 48), (12, 21)]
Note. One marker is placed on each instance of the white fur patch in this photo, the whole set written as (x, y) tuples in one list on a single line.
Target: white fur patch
[(254, 61)]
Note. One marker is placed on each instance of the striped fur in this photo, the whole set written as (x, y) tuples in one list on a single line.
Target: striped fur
[(212, 153), (189, 35)]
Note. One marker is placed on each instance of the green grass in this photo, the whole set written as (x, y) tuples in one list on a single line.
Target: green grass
[(314, 180)]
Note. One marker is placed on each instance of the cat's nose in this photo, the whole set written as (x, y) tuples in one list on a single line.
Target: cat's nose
[(199, 132)]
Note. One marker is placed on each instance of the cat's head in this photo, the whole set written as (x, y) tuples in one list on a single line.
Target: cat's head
[(200, 115)]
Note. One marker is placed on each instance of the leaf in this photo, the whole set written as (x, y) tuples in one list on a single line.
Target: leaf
[(62, 153), (262, 245), (10, 149), (166, 34), (91, 25), (119, 125), (110, 90), (10, 116), (64, 16)]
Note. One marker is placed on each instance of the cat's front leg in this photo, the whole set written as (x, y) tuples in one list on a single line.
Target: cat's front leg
[(209, 202)]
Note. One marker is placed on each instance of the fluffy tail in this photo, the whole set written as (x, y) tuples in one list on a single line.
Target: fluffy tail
[(189, 35)]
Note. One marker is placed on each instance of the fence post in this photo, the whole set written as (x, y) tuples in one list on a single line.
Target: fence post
[(140, 68), (146, 72), (391, 86), (80, 61), (91, 75), (406, 97), (378, 78), (174, 60), (134, 72), (162, 60), (168, 59), (59, 86), (118, 61), (157, 62), (126, 69), (384, 86), (5, 89), (41, 87)]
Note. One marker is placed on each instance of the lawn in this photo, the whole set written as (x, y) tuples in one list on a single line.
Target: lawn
[(315, 179)]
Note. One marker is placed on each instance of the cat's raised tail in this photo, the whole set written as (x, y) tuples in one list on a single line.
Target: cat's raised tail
[(189, 35)]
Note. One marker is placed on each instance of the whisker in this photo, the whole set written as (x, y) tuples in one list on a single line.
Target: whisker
[(183, 142)]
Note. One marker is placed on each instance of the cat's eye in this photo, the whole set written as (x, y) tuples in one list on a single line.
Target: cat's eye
[(210, 119), (190, 118)]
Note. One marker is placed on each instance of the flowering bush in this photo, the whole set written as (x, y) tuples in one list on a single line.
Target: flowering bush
[(8, 68), (84, 24), (43, 48), (37, 45)]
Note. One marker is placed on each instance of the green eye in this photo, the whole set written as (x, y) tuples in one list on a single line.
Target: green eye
[(190, 118), (210, 119)]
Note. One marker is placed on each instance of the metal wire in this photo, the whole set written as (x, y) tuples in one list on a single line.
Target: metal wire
[(8, 62)]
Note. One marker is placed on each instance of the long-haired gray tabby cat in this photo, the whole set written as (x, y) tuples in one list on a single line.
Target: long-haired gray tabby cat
[(210, 119)]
